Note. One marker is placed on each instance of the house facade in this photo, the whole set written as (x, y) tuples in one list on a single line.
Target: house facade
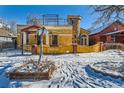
[(5, 35), (113, 33), (7, 38), (58, 39)]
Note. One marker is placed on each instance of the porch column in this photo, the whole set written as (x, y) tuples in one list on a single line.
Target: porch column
[(47, 38), (87, 40), (83, 40), (24, 37)]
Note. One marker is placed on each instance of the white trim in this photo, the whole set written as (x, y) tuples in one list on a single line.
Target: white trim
[(115, 32)]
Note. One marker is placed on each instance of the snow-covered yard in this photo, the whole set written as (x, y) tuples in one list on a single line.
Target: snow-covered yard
[(72, 70)]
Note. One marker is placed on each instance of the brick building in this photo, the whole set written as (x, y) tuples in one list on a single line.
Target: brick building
[(112, 33)]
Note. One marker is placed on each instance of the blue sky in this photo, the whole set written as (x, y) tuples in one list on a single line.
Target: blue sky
[(20, 12)]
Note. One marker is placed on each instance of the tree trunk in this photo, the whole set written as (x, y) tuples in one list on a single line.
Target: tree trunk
[(41, 49), (41, 46)]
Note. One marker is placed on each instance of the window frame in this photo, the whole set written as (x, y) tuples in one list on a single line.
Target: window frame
[(57, 43)]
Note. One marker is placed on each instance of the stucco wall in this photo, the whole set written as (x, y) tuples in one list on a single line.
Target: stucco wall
[(87, 49), (65, 49)]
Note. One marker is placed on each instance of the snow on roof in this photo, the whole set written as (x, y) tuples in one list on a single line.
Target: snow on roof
[(6, 33), (114, 32)]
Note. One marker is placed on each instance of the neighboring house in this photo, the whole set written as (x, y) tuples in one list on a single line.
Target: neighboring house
[(112, 33), (58, 39), (5, 35), (7, 38)]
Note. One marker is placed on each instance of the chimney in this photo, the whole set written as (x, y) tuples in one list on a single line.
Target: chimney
[(74, 20)]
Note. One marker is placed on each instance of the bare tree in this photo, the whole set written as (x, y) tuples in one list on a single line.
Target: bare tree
[(33, 19), (13, 26), (107, 13)]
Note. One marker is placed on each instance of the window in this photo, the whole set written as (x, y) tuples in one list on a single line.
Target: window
[(113, 38), (83, 40), (54, 40), (27, 38), (115, 28), (38, 40)]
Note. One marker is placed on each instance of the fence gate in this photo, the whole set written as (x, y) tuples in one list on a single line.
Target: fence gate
[(107, 46)]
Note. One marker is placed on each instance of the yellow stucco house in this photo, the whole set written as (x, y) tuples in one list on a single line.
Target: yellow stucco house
[(58, 39)]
